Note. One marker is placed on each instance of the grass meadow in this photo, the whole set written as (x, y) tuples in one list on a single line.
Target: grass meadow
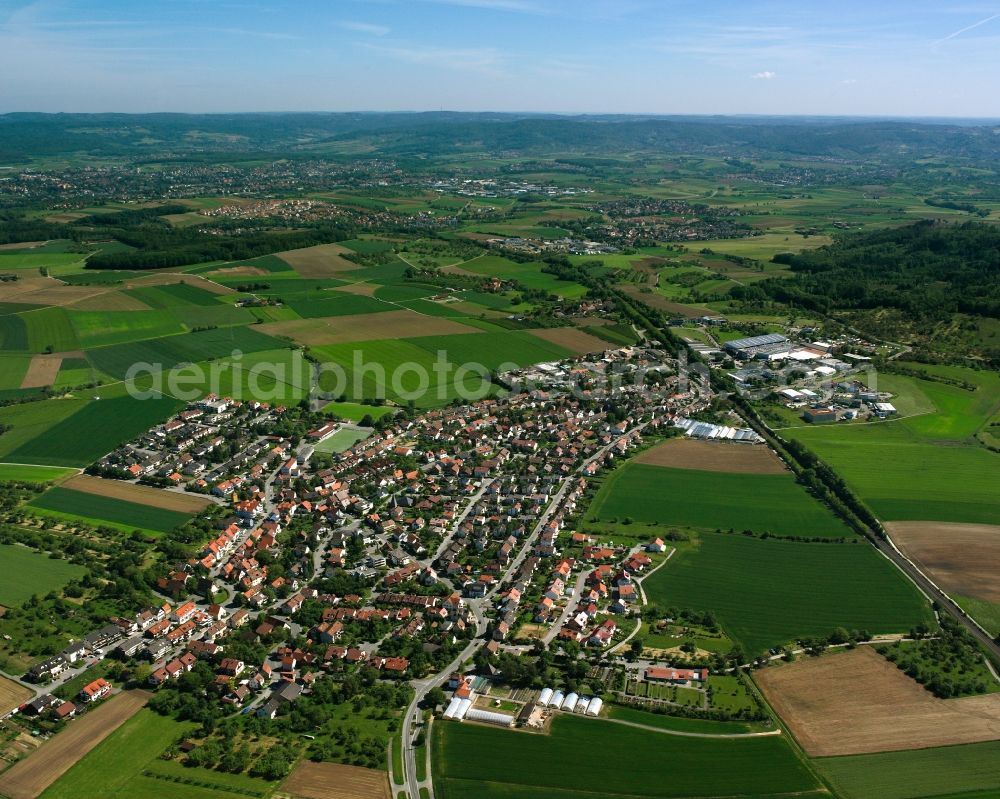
[(27, 572), (127, 765), (766, 593), (593, 758)]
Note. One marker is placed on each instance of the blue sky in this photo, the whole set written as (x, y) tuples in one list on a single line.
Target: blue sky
[(887, 57)]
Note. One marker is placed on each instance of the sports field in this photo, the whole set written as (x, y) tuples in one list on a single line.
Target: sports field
[(27, 573), (65, 503), (857, 702), (774, 503), (594, 758), (766, 593), (30, 777)]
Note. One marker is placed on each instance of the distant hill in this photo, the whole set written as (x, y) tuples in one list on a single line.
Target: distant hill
[(30, 135)]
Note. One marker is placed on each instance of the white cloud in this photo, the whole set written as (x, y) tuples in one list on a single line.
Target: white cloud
[(365, 27), (765, 75), (849, 81)]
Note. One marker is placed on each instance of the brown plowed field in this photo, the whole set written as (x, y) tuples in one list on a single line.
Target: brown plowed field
[(139, 494), (12, 695), (856, 702), (364, 327), (364, 289), (42, 371), (333, 781), (576, 341), (713, 456), (323, 260), (27, 778), (237, 271), (169, 278), (961, 558), (110, 301)]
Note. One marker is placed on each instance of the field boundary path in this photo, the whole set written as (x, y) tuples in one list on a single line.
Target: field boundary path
[(685, 733)]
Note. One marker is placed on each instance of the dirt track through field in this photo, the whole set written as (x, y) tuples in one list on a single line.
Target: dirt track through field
[(856, 702), (139, 494), (364, 327), (29, 777), (333, 781), (42, 371), (576, 341), (713, 456), (961, 558), (323, 260)]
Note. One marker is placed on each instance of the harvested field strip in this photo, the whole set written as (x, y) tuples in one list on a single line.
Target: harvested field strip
[(322, 260), (333, 781), (168, 278), (576, 341), (28, 778), (96, 508), (713, 456), (110, 301), (961, 558), (857, 702), (12, 695), (42, 371), (143, 495), (364, 327)]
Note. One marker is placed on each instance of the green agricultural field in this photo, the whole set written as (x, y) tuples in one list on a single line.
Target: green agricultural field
[(32, 474), (766, 593), (986, 613), (173, 294), (396, 368), (714, 500), (969, 771), (95, 509), (679, 723), (337, 304), (12, 369), (13, 333), (32, 420), (477, 761), (268, 376), (27, 573), (167, 352), (56, 262), (50, 330), (927, 466), (93, 430), (104, 328), (127, 765)]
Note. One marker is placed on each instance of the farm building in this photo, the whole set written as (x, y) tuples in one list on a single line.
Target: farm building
[(545, 696), (820, 415), (490, 717), (677, 676), (583, 704), (595, 706), (557, 699), (569, 703)]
